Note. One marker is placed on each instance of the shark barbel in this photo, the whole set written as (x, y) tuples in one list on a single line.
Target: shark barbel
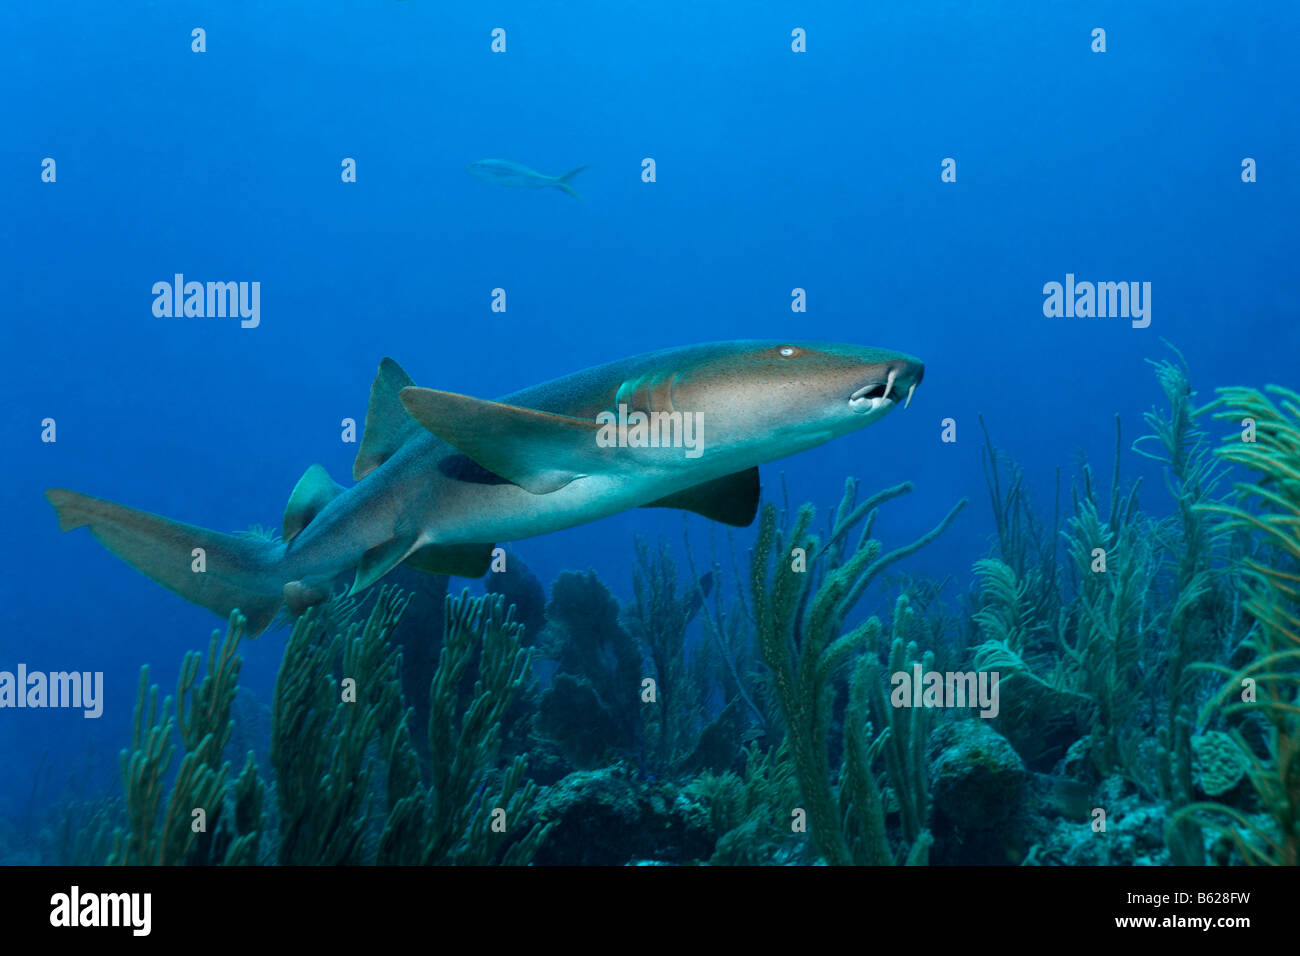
[(441, 477)]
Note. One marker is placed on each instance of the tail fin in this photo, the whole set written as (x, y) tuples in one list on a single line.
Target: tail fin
[(562, 182), (232, 571)]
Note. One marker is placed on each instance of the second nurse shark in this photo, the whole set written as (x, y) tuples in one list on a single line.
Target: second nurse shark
[(442, 477)]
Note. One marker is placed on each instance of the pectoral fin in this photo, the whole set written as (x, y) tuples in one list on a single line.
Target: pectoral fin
[(537, 451), (381, 559), (462, 560), (731, 499)]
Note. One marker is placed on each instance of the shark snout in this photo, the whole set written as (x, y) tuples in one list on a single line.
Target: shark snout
[(889, 384)]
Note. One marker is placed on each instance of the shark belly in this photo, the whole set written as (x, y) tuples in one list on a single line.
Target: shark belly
[(472, 513)]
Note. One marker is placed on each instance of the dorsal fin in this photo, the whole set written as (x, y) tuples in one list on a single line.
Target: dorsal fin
[(315, 489), (538, 451), (731, 499), (388, 427)]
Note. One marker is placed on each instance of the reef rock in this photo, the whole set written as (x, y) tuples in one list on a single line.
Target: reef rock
[(979, 787), (609, 817)]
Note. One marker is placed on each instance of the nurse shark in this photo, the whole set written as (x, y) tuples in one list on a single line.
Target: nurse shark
[(442, 477)]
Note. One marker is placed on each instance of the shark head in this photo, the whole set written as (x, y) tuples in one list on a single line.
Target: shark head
[(782, 397)]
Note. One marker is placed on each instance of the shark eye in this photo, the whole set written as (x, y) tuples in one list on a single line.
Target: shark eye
[(787, 350)]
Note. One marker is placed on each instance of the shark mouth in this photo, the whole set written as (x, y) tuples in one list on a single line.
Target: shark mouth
[(871, 397)]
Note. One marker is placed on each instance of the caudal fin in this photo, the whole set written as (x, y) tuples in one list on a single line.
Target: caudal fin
[(563, 182), (230, 571)]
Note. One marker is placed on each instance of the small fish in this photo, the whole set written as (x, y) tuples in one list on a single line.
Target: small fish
[(1068, 797), (505, 173)]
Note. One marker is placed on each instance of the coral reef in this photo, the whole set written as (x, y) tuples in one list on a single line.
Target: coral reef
[(463, 816), (1266, 689), (802, 594), (1134, 834), (1218, 763), (979, 785), (658, 619), (192, 826), (323, 728), (519, 586), (1150, 610), (752, 812), (348, 783), (592, 708), (613, 815)]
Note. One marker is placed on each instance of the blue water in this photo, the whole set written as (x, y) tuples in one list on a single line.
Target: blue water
[(775, 170)]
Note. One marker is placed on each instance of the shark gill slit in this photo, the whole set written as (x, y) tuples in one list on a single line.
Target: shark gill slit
[(661, 393)]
